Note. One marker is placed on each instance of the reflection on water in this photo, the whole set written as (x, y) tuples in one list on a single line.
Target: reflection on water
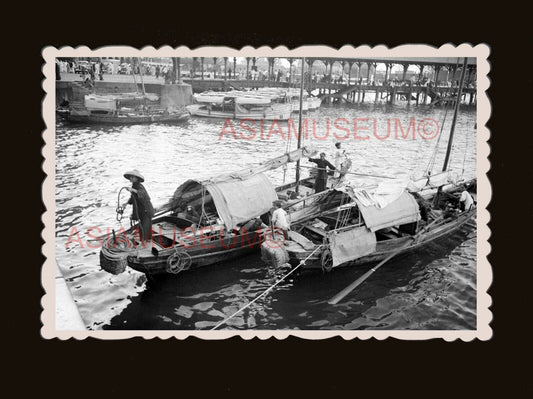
[(432, 289)]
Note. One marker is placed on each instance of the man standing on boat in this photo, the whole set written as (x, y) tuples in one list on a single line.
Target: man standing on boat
[(143, 211), (280, 219), (338, 159), (322, 175)]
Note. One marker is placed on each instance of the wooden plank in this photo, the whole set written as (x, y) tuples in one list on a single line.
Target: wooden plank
[(316, 230), (300, 239)]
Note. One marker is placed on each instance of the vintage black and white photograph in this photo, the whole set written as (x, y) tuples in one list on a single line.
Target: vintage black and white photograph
[(266, 192)]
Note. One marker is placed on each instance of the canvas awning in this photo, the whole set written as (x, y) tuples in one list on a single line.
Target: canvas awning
[(238, 201), (351, 244), (401, 211)]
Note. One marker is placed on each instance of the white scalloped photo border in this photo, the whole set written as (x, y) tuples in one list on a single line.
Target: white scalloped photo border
[(481, 52)]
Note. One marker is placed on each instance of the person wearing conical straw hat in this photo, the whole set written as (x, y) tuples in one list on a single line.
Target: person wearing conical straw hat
[(143, 210)]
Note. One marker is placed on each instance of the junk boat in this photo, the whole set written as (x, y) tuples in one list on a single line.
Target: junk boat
[(121, 109), (206, 222), (353, 226), (350, 226)]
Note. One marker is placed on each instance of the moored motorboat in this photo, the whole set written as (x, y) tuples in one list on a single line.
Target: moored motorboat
[(240, 105)]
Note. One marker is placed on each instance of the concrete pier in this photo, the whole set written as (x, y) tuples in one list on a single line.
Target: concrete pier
[(72, 88), (67, 315)]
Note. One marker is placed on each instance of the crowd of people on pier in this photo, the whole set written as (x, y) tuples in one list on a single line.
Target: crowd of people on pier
[(95, 70)]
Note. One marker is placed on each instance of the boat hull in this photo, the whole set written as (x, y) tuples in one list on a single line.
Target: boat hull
[(154, 258), (126, 119), (385, 248), (314, 103), (283, 113)]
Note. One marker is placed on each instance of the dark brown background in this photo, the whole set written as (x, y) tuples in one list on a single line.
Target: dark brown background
[(293, 366)]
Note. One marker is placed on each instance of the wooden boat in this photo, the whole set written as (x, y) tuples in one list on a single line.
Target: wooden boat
[(357, 231), (313, 103), (360, 229), (231, 209), (240, 105), (121, 109), (125, 116)]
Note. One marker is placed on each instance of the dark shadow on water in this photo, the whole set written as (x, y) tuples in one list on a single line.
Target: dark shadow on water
[(182, 302)]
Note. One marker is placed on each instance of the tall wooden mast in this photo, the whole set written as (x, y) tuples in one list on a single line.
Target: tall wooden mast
[(456, 110), (297, 188)]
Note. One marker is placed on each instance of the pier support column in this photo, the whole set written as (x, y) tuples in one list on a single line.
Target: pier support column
[(270, 70), (310, 62), (176, 70), (405, 68), (202, 67), (470, 70), (214, 67), (436, 77), (225, 71), (234, 67), (290, 71), (254, 68), (247, 68), (421, 72), (350, 73)]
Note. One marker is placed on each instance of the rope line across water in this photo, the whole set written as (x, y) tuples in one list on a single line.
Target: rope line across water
[(268, 289)]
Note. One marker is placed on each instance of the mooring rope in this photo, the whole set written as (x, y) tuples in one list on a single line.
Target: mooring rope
[(268, 290), (466, 150)]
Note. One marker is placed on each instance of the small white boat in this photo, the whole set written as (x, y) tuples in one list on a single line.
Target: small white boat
[(239, 105), (314, 103)]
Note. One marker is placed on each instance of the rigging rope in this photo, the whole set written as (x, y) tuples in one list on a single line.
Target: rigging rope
[(268, 290), (466, 150), (431, 164), (287, 146)]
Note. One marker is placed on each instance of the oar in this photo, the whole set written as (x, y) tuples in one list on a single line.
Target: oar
[(353, 173), (337, 298)]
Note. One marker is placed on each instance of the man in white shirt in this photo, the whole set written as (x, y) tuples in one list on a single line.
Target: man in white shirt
[(280, 219), (466, 201), (338, 158)]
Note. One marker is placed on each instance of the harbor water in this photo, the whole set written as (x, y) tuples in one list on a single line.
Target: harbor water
[(433, 288)]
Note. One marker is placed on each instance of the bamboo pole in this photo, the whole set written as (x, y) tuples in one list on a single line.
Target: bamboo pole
[(354, 173)]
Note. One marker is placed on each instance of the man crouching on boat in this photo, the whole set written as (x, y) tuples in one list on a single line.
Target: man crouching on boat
[(143, 211), (466, 201)]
